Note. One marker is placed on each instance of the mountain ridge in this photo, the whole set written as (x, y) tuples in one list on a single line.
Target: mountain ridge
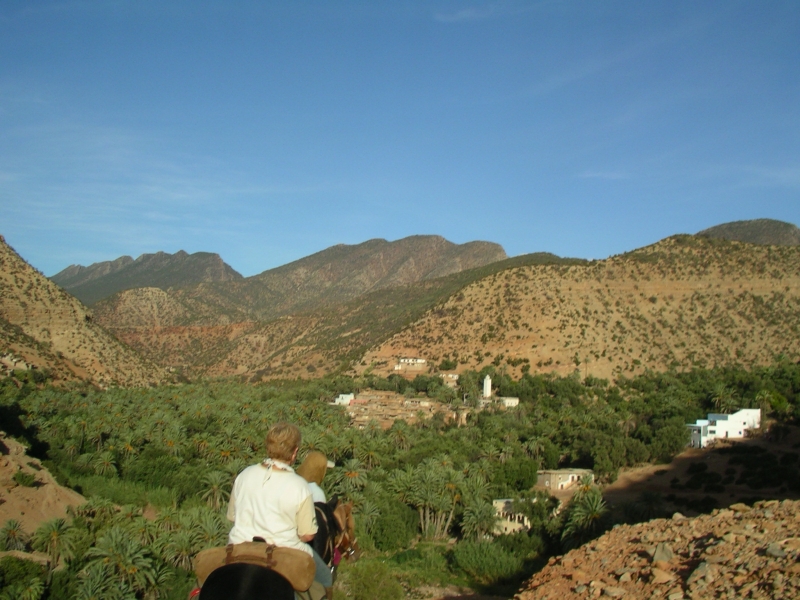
[(51, 330), (160, 269), (756, 231)]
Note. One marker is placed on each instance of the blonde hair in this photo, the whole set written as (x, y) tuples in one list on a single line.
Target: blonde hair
[(282, 441), (313, 467)]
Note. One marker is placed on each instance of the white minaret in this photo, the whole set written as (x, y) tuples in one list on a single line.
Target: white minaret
[(487, 387)]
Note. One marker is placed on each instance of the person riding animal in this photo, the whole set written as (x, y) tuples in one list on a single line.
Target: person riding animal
[(313, 470), (271, 502)]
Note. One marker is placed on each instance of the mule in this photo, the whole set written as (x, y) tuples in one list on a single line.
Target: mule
[(336, 531), (242, 581)]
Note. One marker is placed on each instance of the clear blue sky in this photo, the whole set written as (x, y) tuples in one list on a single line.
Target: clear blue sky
[(266, 131)]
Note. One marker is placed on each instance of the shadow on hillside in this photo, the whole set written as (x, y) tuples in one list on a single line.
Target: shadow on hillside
[(698, 480)]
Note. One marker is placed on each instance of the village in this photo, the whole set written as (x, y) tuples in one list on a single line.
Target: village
[(386, 407)]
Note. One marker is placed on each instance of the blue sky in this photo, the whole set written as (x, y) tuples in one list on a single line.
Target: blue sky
[(266, 131)]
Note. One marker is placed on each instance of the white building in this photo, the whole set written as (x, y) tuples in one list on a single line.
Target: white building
[(509, 401), (344, 399), (718, 426), (487, 387), (508, 521), (561, 479)]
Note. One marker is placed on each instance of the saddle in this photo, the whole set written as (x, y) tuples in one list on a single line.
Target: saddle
[(296, 566)]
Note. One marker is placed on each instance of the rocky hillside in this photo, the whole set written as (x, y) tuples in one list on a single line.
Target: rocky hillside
[(757, 231), (182, 332), (32, 504), (45, 327), (685, 301), (100, 280), (739, 552)]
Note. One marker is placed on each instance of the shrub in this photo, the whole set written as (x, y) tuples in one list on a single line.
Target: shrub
[(395, 527), (485, 562), (372, 580), (15, 571), (25, 479), (526, 546)]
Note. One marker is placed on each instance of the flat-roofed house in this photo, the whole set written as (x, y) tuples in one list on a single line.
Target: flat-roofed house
[(508, 521), (560, 479), (718, 426)]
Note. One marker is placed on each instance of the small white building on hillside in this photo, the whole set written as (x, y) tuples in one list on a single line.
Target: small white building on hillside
[(561, 479), (508, 521), (508, 401), (719, 426), (344, 399)]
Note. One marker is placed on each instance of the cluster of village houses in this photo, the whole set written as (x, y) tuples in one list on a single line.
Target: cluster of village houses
[(562, 483)]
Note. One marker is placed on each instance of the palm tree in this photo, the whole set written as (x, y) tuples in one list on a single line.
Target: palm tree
[(479, 520), (354, 478), (216, 486), (534, 447), (178, 548), (123, 559), (368, 513), (163, 575), (94, 584), (764, 401), (13, 536), (369, 453), (54, 538), (722, 397), (103, 464), (585, 519), (31, 590), (210, 528)]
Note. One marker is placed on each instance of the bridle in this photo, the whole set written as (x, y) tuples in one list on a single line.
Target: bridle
[(347, 544)]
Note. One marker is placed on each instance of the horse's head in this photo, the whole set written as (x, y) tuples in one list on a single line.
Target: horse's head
[(346, 540)]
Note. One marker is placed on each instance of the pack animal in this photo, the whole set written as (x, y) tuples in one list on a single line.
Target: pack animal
[(246, 581)]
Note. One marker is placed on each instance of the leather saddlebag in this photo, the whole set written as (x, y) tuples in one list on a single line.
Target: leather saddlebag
[(296, 566)]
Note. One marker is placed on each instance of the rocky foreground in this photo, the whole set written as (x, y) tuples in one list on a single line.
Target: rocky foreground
[(739, 552)]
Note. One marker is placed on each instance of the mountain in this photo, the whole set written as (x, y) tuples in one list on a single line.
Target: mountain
[(335, 275), (757, 231), (43, 326), (172, 332), (338, 274), (685, 301), (162, 270)]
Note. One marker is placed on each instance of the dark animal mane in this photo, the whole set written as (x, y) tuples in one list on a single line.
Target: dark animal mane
[(328, 529)]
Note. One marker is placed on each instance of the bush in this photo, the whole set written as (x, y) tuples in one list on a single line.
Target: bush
[(25, 479), (522, 544), (372, 580), (485, 562), (395, 527), (15, 571)]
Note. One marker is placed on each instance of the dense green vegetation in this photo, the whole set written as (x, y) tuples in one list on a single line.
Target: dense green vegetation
[(415, 487)]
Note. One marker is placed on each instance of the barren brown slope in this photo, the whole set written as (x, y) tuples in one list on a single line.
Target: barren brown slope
[(47, 327), (242, 327), (683, 302), (304, 344)]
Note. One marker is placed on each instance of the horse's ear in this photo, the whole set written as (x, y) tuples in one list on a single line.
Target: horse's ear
[(334, 501)]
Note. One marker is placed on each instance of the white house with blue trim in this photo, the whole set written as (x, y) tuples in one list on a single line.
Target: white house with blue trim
[(719, 426)]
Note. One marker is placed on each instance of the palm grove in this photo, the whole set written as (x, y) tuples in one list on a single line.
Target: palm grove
[(177, 449)]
